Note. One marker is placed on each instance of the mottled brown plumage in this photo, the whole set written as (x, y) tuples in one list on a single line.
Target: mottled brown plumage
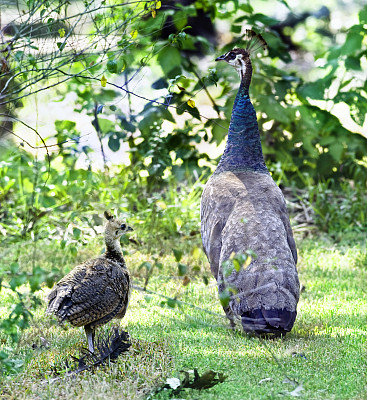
[(96, 291), (242, 209)]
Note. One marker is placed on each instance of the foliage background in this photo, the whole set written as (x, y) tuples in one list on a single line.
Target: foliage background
[(141, 80)]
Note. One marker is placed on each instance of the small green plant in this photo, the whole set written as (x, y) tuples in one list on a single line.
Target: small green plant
[(339, 207)]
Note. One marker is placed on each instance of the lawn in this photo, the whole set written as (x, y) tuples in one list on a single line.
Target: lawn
[(324, 357)]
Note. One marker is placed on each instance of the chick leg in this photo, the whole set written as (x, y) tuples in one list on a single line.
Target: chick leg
[(229, 315), (90, 338)]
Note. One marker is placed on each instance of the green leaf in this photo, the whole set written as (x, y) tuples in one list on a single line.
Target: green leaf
[(114, 142), (180, 19), (106, 125), (353, 63), (336, 151), (224, 297), (73, 251), (358, 113), (219, 130), (227, 268), (315, 90), (14, 268), (324, 165), (274, 110), (158, 265), (178, 254), (3, 355), (76, 233), (112, 66), (35, 282), (61, 45), (147, 265), (47, 201), (18, 281), (246, 8), (353, 41), (169, 58), (286, 4), (264, 19), (182, 269), (363, 15), (128, 126), (236, 28), (64, 125), (172, 303)]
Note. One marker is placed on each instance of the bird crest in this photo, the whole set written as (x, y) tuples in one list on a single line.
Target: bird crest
[(254, 41), (239, 58), (108, 215)]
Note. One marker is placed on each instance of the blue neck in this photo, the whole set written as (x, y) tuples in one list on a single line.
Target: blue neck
[(243, 151)]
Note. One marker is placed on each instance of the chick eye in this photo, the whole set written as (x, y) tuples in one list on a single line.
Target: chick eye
[(123, 226), (232, 55)]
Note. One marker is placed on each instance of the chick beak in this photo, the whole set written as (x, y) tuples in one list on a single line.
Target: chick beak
[(221, 58), (129, 229)]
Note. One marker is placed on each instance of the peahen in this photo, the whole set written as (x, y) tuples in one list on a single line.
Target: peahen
[(244, 211), (96, 291)]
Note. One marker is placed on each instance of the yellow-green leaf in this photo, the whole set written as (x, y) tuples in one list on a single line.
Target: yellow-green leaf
[(134, 34), (236, 264), (191, 103), (247, 262), (62, 32), (196, 252), (103, 81), (154, 13), (158, 5), (161, 204)]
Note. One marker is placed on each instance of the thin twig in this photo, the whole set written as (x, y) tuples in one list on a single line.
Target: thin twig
[(97, 127)]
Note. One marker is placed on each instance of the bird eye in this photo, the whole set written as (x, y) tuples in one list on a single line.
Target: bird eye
[(231, 55), (123, 226)]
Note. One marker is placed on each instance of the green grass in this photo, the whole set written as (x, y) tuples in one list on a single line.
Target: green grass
[(326, 352)]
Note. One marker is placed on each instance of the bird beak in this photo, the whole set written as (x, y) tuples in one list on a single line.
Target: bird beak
[(221, 58), (129, 228)]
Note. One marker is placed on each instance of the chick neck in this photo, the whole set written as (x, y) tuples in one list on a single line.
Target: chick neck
[(113, 248)]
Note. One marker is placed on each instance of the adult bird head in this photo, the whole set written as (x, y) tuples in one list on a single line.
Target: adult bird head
[(240, 58)]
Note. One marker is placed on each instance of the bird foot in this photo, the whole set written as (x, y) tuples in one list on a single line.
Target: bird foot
[(90, 338)]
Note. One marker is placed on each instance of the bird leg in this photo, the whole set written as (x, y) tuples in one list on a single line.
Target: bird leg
[(229, 315), (90, 337)]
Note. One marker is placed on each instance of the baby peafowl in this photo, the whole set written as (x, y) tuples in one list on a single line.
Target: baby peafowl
[(242, 210), (96, 291)]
